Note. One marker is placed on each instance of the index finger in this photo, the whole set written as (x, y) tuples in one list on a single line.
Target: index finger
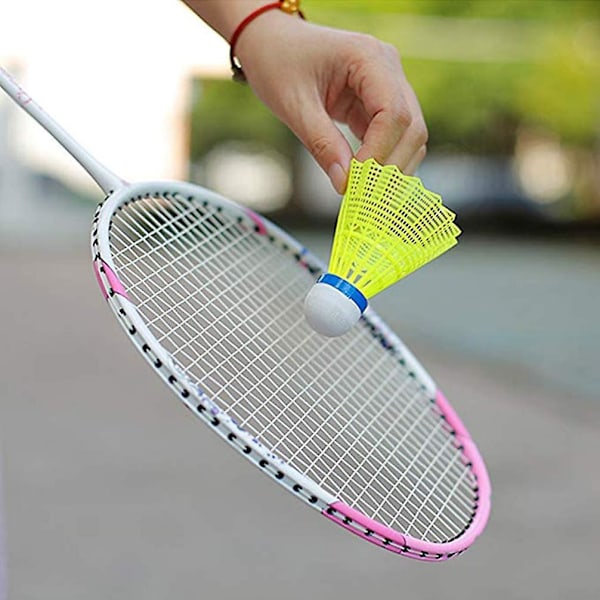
[(389, 103)]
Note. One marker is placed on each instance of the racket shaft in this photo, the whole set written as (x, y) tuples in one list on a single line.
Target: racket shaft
[(107, 180)]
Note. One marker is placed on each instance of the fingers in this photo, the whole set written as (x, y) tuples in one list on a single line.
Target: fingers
[(413, 164), (396, 136), (411, 148), (395, 132), (325, 142), (357, 119)]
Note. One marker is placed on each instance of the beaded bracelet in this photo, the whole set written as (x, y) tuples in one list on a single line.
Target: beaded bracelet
[(291, 7)]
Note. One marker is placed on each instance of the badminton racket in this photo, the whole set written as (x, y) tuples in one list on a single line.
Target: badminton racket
[(211, 295)]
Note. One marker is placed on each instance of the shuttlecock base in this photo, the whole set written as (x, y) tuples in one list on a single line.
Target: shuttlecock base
[(333, 306)]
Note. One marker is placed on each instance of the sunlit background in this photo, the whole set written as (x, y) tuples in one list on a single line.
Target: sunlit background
[(104, 478), (509, 90)]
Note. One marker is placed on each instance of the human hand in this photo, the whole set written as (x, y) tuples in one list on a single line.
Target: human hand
[(311, 76)]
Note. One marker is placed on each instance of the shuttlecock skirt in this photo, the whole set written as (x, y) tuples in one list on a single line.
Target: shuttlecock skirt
[(389, 225)]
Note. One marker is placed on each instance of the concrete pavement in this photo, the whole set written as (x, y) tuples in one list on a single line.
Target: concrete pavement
[(114, 491)]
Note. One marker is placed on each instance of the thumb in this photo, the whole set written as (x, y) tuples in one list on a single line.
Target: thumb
[(327, 145)]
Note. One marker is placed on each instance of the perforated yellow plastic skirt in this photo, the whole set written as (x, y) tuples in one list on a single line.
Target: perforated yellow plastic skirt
[(389, 225)]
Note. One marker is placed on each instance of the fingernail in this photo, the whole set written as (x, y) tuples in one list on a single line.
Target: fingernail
[(338, 177)]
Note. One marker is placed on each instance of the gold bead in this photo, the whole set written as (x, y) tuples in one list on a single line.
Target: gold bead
[(290, 6)]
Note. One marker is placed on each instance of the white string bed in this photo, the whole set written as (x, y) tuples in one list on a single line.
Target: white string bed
[(226, 301)]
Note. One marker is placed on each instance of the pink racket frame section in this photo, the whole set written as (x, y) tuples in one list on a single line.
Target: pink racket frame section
[(393, 540), (113, 281)]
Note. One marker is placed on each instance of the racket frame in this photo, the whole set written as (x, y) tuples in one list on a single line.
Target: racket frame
[(201, 404)]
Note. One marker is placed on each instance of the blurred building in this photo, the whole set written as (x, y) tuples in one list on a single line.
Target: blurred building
[(115, 74)]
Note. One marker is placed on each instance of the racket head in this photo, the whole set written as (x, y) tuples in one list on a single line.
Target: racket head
[(211, 295)]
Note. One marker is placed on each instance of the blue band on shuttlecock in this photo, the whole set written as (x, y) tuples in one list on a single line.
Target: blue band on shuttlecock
[(346, 288)]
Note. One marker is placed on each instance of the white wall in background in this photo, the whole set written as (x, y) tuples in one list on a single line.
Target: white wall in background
[(115, 74)]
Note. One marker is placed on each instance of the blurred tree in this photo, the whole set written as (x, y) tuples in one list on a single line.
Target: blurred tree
[(482, 68), (223, 111), (562, 93)]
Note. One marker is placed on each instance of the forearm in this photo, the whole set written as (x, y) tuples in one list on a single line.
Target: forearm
[(224, 15)]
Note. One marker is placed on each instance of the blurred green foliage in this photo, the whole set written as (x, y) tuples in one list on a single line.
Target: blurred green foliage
[(481, 70), (551, 10), (225, 111)]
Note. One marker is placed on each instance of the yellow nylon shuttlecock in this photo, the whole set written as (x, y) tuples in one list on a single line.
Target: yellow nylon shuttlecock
[(388, 226)]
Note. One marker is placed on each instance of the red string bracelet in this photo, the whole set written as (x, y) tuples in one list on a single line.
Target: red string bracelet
[(288, 6)]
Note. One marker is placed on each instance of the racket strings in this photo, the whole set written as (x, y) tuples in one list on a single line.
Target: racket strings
[(437, 515), (274, 416), (366, 484), (164, 286), (197, 332), (358, 436), (184, 301), (364, 487), (227, 303), (432, 489), (146, 238), (161, 265)]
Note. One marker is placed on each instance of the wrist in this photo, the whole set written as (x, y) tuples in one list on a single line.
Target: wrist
[(262, 32), (231, 18), (277, 10), (224, 15)]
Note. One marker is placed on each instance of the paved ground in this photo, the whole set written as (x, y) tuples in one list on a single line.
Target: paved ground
[(114, 491)]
